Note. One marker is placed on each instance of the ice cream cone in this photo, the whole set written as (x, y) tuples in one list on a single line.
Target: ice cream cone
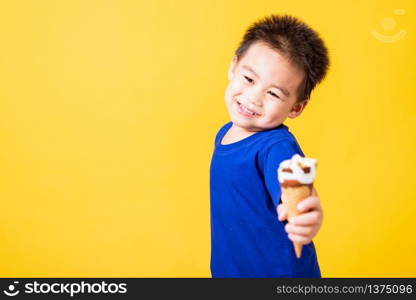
[(296, 178), (291, 196)]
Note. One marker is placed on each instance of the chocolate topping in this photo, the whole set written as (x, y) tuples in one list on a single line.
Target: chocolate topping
[(287, 170), (294, 183), (306, 170)]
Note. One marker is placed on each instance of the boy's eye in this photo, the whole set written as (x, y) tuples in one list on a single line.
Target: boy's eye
[(248, 79), (274, 95)]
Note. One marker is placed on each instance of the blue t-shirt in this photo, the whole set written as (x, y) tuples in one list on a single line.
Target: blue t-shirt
[(247, 239)]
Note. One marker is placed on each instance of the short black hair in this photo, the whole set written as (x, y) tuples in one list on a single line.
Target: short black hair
[(294, 39)]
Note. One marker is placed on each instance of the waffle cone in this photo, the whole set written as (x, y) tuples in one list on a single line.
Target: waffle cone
[(291, 196)]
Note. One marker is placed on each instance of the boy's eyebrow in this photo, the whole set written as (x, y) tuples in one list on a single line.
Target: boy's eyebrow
[(284, 91)]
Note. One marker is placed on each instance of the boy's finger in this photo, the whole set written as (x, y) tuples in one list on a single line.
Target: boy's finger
[(299, 230), (299, 239), (310, 203), (310, 218), (281, 212), (278, 208)]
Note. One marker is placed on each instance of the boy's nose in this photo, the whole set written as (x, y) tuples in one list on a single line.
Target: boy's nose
[(254, 100)]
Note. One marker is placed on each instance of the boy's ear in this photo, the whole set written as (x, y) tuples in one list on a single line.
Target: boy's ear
[(232, 68), (297, 108)]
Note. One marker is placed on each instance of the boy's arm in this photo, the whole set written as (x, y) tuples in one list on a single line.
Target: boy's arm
[(303, 228)]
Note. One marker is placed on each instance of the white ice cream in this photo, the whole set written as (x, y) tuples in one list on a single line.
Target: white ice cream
[(295, 164)]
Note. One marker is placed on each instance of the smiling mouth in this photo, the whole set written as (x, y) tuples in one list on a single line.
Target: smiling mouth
[(247, 111)]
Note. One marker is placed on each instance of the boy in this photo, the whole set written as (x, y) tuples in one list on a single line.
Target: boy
[(275, 68)]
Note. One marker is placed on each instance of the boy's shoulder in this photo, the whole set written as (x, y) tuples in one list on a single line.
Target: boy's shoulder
[(280, 134), (267, 140), (275, 138), (280, 142)]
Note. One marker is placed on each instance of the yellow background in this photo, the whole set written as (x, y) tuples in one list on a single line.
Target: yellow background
[(108, 111)]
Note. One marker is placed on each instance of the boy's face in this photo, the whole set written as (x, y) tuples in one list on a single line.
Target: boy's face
[(262, 90)]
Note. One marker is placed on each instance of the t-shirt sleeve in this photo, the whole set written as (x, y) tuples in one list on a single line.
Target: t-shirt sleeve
[(277, 153)]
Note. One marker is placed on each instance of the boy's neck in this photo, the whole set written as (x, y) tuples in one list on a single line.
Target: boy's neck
[(235, 134)]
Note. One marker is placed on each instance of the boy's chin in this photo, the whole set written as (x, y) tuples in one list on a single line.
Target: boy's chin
[(247, 125)]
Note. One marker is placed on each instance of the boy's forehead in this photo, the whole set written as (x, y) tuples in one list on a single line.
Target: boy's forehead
[(260, 52)]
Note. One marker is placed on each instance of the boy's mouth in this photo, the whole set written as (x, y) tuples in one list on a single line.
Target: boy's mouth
[(245, 111)]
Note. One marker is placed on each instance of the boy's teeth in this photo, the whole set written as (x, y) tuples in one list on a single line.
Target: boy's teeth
[(246, 109)]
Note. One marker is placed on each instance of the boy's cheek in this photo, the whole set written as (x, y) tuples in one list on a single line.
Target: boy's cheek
[(228, 92), (234, 86)]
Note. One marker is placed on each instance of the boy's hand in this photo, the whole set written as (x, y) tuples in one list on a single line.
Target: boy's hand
[(302, 228)]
